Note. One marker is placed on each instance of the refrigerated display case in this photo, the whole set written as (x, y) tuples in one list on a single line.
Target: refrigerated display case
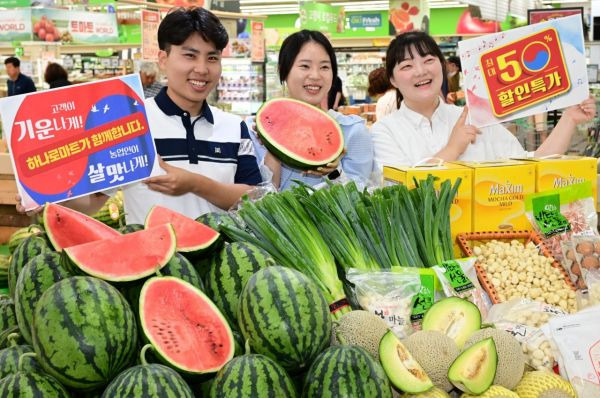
[(241, 89), (274, 87), (354, 69)]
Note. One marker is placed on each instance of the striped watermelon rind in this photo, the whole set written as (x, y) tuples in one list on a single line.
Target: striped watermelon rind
[(19, 235), (32, 384), (148, 380), (28, 249), (284, 316), (252, 375), (209, 322), (84, 332), (229, 272), (41, 272), (9, 360), (346, 371), (8, 318)]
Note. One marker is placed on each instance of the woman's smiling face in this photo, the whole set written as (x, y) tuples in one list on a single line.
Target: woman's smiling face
[(311, 74)]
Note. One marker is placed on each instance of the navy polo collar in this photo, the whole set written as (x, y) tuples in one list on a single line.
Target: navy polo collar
[(170, 108)]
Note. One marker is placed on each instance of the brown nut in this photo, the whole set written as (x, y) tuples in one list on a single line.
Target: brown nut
[(585, 248), (589, 262), (570, 255), (597, 247), (575, 270)]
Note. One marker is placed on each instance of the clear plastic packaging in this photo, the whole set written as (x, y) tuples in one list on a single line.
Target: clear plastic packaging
[(578, 342), (469, 289), (387, 294), (523, 319)]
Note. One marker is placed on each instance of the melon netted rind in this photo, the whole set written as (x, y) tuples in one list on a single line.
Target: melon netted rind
[(534, 384), (494, 392), (435, 352), (511, 361), (556, 393), (359, 328), (433, 393)]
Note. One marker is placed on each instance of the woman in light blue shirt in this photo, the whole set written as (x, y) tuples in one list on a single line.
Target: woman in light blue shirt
[(307, 67)]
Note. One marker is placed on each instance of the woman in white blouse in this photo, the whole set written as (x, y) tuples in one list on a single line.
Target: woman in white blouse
[(425, 126)]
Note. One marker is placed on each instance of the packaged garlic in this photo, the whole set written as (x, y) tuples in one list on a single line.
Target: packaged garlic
[(387, 294), (578, 342)]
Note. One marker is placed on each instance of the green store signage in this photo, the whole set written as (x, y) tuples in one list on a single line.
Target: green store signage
[(15, 3), (365, 20), (320, 16)]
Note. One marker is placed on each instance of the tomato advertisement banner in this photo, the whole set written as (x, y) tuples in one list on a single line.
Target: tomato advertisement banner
[(76, 140), (524, 71), (546, 14), (15, 25), (150, 22), (407, 15), (74, 26)]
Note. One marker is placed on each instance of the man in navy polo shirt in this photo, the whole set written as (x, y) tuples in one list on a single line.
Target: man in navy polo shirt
[(207, 154), (17, 82)]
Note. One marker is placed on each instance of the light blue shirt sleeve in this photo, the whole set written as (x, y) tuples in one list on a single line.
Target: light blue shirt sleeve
[(357, 164)]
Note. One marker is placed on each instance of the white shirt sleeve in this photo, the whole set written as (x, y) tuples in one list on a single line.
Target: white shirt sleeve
[(385, 148)]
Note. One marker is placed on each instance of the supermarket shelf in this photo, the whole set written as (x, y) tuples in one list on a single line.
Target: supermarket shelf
[(220, 14), (77, 48)]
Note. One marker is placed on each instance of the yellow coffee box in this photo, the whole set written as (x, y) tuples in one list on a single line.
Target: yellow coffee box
[(460, 211), (563, 170), (498, 196)]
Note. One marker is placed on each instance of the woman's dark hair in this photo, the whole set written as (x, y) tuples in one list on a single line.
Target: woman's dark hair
[(402, 47), (55, 72), (292, 45), (180, 23), (379, 82)]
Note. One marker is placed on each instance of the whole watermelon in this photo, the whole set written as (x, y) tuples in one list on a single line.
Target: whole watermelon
[(28, 249), (252, 375), (346, 371), (215, 220), (9, 360), (230, 271), (41, 272), (84, 332), (11, 336), (31, 384), (8, 319), (284, 316), (19, 235)]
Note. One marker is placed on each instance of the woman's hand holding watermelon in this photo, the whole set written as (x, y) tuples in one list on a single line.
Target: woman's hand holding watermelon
[(329, 168)]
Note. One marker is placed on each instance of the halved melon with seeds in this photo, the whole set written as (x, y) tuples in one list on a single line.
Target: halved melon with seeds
[(401, 368), (186, 329), (455, 317)]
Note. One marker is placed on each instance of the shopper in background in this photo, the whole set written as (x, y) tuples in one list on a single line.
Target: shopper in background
[(17, 82), (56, 76), (335, 97), (149, 76), (453, 72), (206, 154), (425, 126), (382, 90), (307, 66)]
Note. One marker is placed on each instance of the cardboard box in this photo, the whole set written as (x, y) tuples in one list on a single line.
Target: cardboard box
[(499, 190), (564, 170), (460, 212)]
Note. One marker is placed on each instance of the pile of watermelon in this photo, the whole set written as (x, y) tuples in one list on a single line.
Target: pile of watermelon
[(167, 309)]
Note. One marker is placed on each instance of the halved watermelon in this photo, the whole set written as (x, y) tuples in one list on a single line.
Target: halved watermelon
[(299, 134), (193, 237), (126, 257), (66, 227), (186, 329)]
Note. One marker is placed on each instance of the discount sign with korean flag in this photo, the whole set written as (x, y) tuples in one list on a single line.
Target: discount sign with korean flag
[(73, 141), (524, 71)]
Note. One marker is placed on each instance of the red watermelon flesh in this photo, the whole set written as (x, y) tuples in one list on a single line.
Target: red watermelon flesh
[(298, 133), (126, 257), (186, 329), (66, 227), (192, 236)]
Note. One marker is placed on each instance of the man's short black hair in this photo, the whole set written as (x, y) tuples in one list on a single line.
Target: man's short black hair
[(181, 23), (292, 45), (12, 60)]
